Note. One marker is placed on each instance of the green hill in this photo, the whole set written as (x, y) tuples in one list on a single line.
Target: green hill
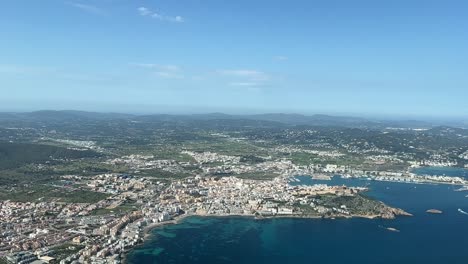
[(13, 155)]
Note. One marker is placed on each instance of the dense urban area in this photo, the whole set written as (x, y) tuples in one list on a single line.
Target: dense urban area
[(81, 187)]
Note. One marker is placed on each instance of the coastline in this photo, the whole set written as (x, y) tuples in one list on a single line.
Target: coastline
[(147, 231)]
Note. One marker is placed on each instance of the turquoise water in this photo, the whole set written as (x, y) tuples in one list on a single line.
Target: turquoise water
[(423, 238)]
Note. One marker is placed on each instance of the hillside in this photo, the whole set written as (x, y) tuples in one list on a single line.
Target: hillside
[(13, 155)]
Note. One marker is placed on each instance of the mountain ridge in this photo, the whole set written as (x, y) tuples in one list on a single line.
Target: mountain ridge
[(292, 119)]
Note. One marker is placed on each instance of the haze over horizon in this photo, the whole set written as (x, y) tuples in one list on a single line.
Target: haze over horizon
[(281, 117), (365, 58)]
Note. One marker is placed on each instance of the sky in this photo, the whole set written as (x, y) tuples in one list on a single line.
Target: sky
[(360, 57)]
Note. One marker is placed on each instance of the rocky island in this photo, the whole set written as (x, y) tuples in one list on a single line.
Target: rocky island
[(434, 211)]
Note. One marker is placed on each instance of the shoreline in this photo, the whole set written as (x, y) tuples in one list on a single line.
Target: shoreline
[(147, 231), (365, 178)]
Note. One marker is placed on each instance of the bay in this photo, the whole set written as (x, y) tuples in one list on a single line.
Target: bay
[(423, 238)]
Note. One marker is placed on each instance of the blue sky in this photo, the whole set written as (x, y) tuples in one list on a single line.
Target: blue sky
[(363, 57)]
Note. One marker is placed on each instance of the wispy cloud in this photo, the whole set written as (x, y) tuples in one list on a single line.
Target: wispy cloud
[(251, 75), (280, 58), (245, 84), (164, 71), (146, 12), (167, 67), (88, 8), (245, 78), (169, 74)]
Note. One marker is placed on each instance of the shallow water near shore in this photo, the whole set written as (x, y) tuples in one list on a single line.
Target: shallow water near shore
[(423, 238)]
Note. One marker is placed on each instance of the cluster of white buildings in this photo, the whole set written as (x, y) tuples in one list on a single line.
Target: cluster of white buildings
[(233, 196), (27, 227), (208, 157), (143, 162), (321, 153)]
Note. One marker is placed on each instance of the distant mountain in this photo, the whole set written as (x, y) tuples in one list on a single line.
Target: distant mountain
[(288, 119), (260, 119), (314, 120), (7, 115), (52, 115)]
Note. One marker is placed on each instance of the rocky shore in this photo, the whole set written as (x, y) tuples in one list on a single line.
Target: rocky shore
[(392, 213), (386, 213)]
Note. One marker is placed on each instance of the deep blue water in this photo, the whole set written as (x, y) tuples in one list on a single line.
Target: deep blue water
[(423, 238), (447, 171)]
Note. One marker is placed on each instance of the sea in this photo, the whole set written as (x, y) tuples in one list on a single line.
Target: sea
[(422, 238)]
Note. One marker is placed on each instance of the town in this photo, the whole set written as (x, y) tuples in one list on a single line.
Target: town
[(89, 195), (30, 230)]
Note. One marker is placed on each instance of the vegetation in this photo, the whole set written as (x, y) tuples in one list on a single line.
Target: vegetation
[(16, 154), (65, 250), (35, 151), (119, 210), (48, 193), (251, 159), (43, 173), (302, 158), (357, 204)]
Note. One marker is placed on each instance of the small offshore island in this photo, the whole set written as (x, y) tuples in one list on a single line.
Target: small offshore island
[(434, 211)]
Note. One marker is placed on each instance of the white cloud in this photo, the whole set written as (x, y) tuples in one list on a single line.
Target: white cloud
[(146, 12), (179, 19), (88, 8)]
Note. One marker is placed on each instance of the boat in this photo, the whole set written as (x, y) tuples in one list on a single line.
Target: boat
[(464, 188), (461, 211)]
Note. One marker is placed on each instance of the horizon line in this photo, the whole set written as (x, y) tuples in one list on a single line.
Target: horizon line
[(369, 117)]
